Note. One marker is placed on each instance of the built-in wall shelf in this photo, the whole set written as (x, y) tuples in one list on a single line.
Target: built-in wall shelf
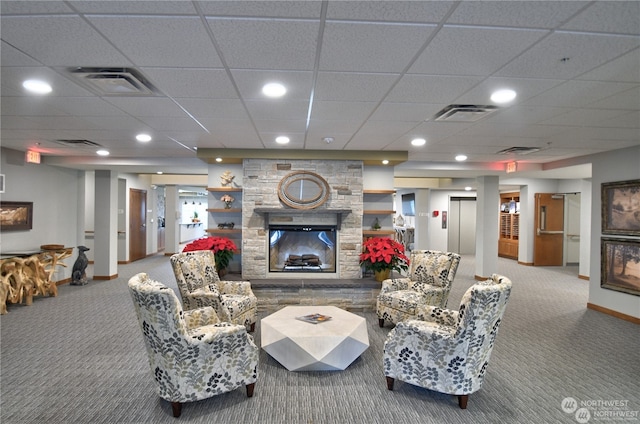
[(224, 189), (223, 210), (378, 212), (224, 231), (378, 233), (378, 191)]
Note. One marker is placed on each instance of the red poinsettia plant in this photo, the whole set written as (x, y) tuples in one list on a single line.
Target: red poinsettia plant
[(383, 253), (223, 249)]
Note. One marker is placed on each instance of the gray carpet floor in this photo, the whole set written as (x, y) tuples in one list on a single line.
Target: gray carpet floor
[(79, 358)]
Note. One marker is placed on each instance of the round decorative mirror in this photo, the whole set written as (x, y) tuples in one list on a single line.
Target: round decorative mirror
[(303, 190)]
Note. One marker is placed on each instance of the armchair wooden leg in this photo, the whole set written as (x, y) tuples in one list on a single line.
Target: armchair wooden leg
[(462, 401), (381, 322), (177, 409), (390, 382), (252, 327), (250, 388)]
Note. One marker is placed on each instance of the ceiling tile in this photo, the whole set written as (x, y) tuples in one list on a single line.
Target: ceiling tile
[(523, 14), (203, 109), (430, 88), (60, 41), (366, 47), (584, 52), (275, 44), (194, 83), (479, 51), (274, 9), (351, 111), (617, 17), (410, 112), (285, 110), (147, 106), (623, 69), (135, 7), (578, 93), (178, 41), (346, 86), (392, 11)]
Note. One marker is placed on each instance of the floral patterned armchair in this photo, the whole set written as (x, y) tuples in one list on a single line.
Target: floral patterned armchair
[(431, 274), (192, 354), (200, 285), (448, 351)]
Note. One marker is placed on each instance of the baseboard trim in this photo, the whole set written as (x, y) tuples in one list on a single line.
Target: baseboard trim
[(64, 281), (480, 278), (613, 313), (525, 263), (583, 277), (105, 277)]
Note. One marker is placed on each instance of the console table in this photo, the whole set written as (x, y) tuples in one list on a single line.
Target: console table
[(28, 273)]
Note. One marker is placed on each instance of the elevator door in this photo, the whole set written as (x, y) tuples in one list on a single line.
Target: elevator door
[(462, 225)]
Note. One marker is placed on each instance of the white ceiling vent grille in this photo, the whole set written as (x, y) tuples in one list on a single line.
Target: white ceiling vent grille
[(464, 113), (114, 81), (518, 151), (78, 143)]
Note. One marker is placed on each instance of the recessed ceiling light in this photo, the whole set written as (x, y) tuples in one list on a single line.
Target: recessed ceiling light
[(461, 158), (37, 86), (385, 162), (467, 188), (159, 172), (418, 142), (218, 159), (103, 152), (503, 96), (274, 89), (282, 140), (143, 137)]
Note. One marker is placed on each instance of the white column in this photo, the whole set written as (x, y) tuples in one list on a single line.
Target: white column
[(171, 220), (488, 208), (106, 226)]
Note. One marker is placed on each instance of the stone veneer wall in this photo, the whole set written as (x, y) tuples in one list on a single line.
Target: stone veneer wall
[(260, 190)]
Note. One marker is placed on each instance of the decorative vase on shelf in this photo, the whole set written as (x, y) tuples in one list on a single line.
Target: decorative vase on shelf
[(382, 274)]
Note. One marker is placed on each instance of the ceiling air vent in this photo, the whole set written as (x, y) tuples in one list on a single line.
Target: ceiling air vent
[(464, 113), (518, 151), (79, 143), (114, 81)]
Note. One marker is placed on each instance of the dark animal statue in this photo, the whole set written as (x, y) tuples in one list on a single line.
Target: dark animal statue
[(78, 275)]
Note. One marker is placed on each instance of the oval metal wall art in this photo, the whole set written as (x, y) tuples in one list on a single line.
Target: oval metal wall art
[(303, 190)]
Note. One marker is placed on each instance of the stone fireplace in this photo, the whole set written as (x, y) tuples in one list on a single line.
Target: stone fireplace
[(329, 235)]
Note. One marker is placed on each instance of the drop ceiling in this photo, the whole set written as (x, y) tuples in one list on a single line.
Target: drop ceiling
[(372, 75)]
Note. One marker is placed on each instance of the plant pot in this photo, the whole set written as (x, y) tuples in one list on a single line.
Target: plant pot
[(382, 275), (222, 272)]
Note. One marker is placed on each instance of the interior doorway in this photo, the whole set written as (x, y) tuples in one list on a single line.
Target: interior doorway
[(548, 241), (137, 224), (461, 235)]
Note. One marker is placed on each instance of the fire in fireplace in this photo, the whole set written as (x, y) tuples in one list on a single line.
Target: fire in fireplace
[(302, 248)]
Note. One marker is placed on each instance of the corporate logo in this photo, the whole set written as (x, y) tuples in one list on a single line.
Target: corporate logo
[(599, 410)]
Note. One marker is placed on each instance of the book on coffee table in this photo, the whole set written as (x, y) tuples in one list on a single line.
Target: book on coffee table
[(314, 318)]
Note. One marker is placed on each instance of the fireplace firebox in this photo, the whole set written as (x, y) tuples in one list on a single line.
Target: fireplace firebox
[(302, 248)]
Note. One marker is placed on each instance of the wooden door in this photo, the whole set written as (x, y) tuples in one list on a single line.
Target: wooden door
[(549, 230), (137, 224)]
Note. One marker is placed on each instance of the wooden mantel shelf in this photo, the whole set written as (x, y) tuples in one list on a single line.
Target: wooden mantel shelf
[(281, 211)]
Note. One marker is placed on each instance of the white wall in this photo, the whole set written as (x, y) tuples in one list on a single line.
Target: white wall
[(54, 193), (619, 165)]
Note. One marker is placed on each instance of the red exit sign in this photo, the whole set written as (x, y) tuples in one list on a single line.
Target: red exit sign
[(512, 167), (32, 156)]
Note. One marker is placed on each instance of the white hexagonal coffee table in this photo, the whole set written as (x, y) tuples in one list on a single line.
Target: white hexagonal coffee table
[(301, 346)]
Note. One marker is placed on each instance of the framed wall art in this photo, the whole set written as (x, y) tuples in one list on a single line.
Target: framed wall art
[(621, 208), (15, 216), (620, 265)]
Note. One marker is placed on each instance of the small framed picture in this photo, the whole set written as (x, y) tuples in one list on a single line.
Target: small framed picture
[(16, 216), (1, 183), (620, 265)]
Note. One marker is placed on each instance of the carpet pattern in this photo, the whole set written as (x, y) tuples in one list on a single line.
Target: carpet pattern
[(80, 358)]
